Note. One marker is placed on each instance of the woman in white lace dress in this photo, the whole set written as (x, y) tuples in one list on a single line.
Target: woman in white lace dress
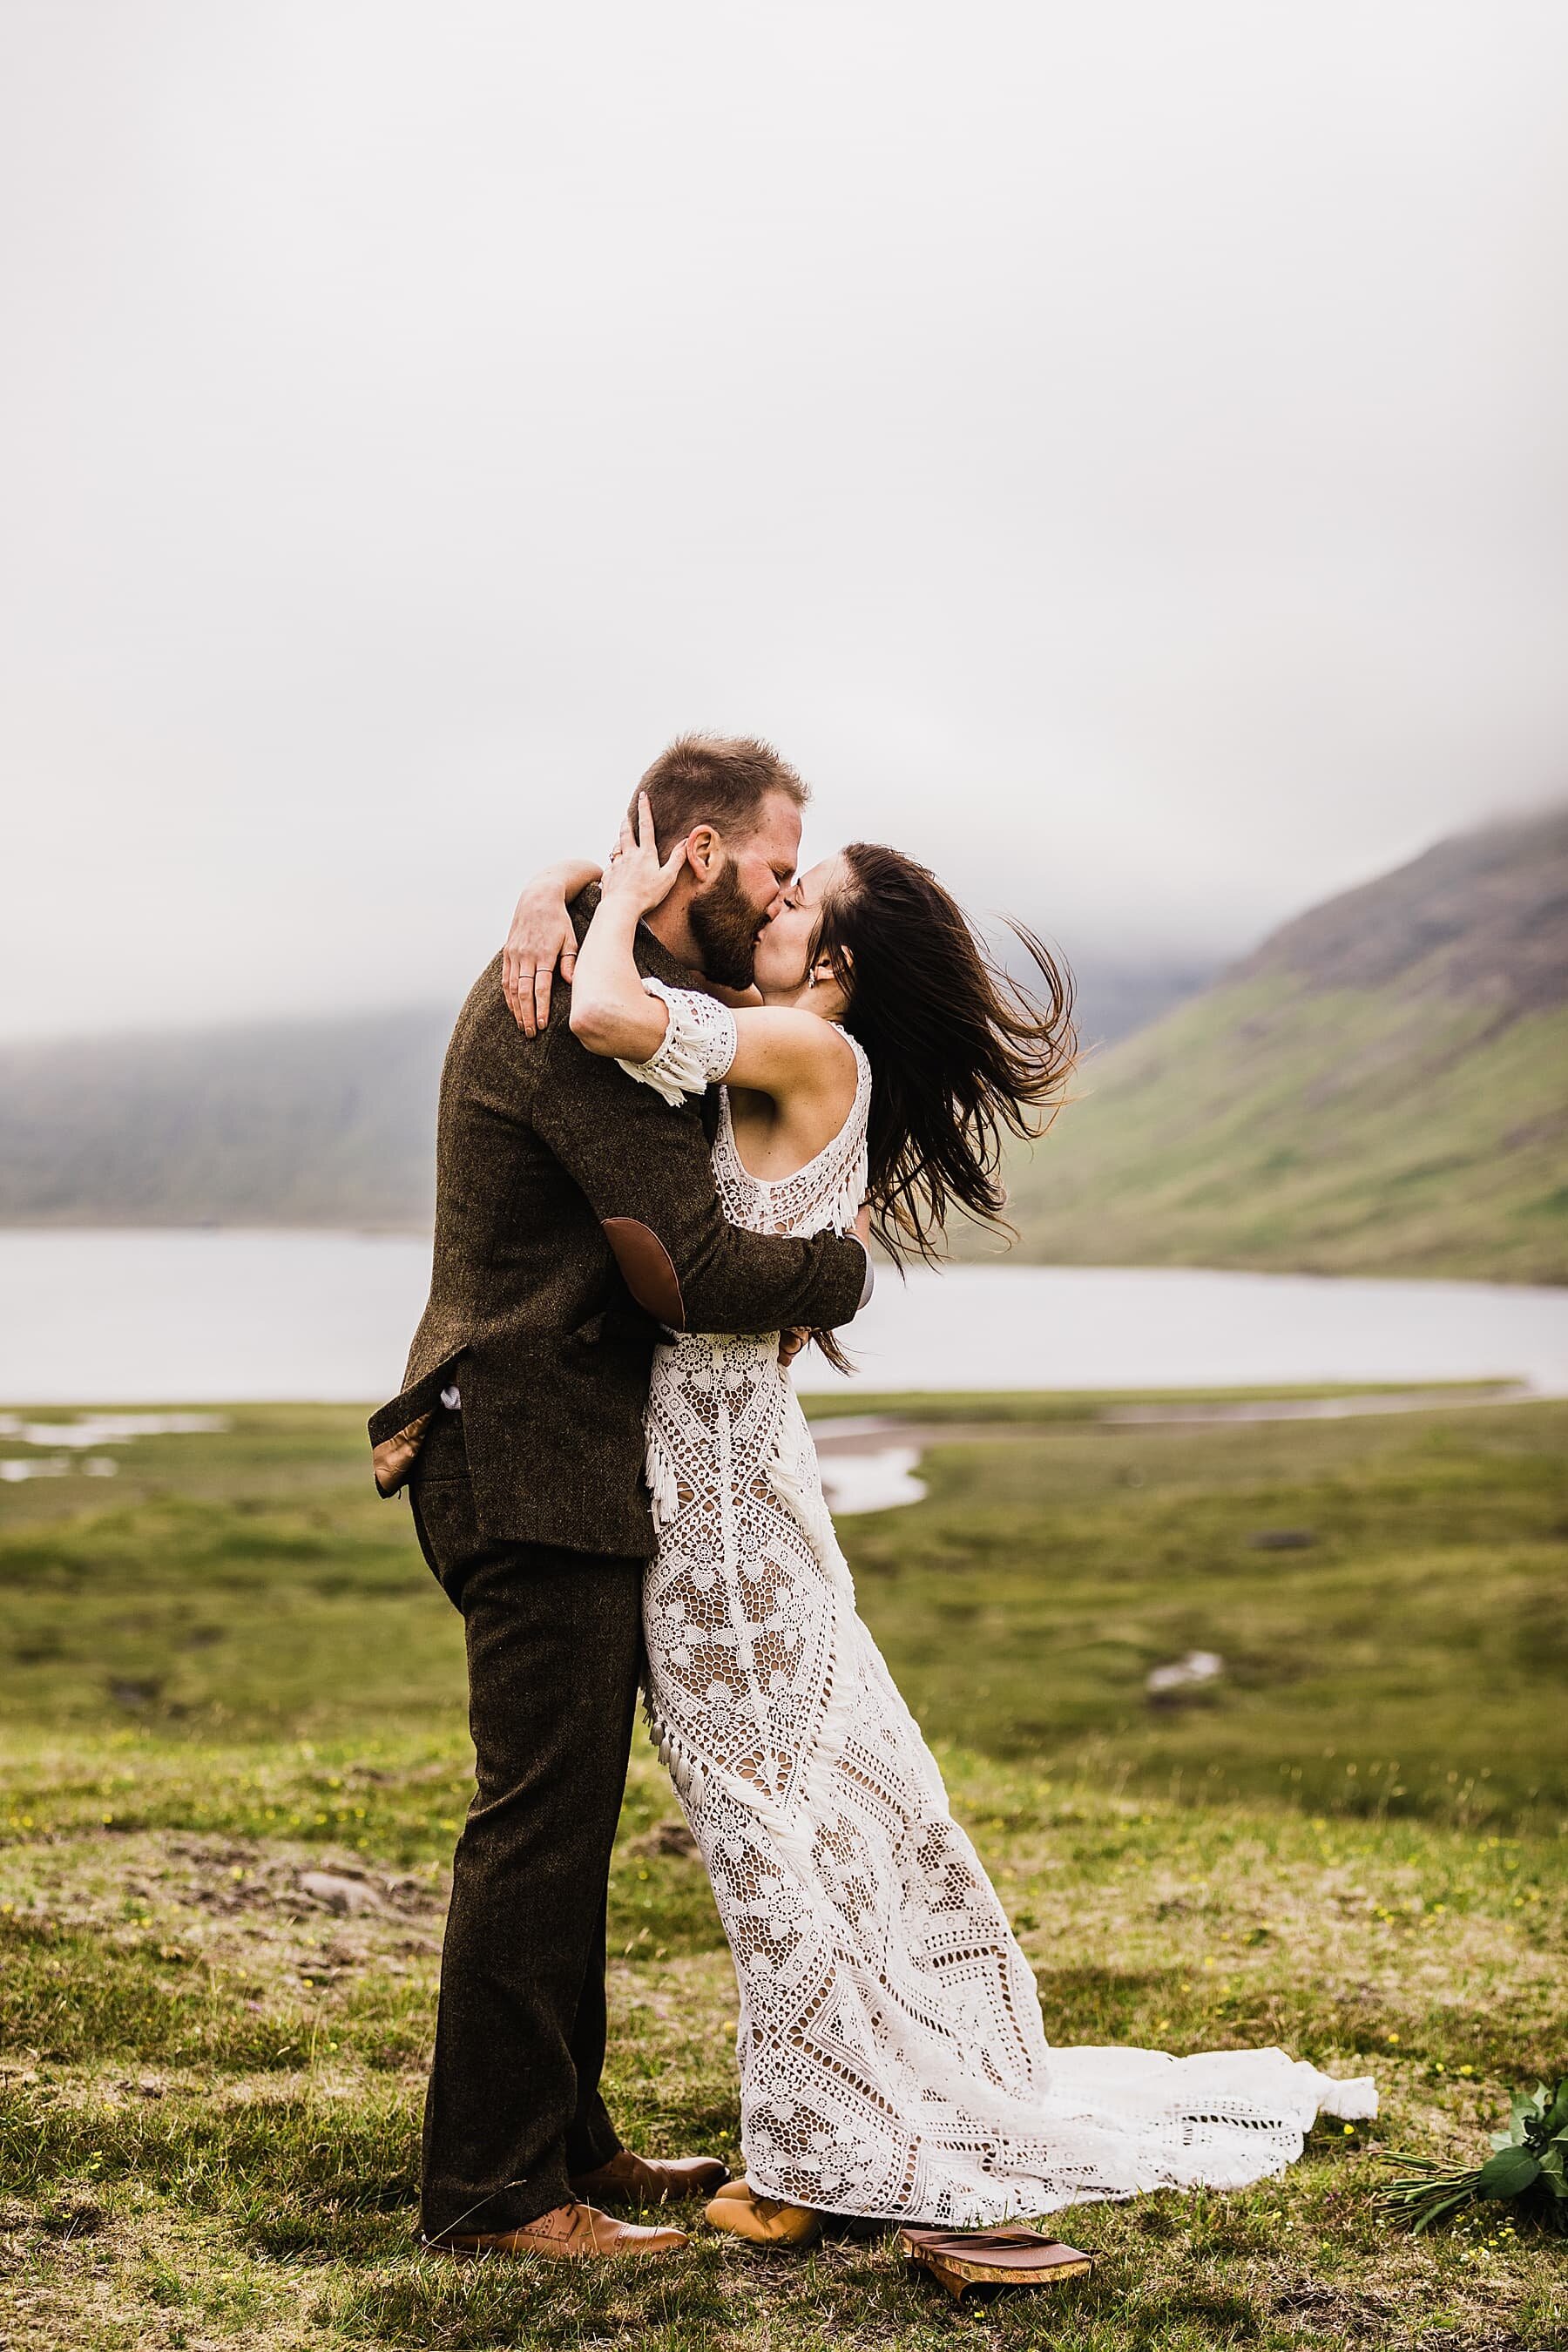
[(892, 2058)]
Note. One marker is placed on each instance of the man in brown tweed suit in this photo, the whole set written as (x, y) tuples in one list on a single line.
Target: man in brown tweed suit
[(575, 1212)]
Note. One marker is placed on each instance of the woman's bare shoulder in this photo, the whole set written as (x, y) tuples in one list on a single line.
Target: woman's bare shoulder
[(779, 1046)]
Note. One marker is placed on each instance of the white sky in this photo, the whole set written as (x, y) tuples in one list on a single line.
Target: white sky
[(1116, 448)]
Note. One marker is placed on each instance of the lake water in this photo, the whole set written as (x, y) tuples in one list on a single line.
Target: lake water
[(195, 1318)]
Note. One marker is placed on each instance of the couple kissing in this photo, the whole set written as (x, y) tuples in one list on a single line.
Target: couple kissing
[(674, 1113)]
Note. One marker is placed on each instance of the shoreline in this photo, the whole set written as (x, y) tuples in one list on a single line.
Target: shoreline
[(871, 1462), (241, 1229)]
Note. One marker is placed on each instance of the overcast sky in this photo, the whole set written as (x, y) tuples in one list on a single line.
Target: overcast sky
[(1115, 448)]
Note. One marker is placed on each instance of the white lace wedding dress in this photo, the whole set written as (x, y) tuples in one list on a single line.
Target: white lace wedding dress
[(892, 2059)]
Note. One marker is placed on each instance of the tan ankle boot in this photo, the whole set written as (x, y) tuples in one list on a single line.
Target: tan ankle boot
[(763, 2221)]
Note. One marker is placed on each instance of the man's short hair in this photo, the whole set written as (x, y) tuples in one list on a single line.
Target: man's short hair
[(720, 779)]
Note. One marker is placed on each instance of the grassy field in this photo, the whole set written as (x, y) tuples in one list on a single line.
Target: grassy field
[(229, 1665)]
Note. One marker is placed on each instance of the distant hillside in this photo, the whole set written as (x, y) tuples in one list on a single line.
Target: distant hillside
[(328, 1123), (290, 1123), (1114, 998), (1383, 1088)]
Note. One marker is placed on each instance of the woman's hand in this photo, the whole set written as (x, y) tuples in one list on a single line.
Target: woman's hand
[(542, 937), (635, 877), (612, 1012)]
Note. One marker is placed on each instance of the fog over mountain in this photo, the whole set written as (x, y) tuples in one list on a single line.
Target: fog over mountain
[(1116, 451)]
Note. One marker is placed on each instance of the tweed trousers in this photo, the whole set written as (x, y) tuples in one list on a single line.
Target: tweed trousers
[(554, 1646)]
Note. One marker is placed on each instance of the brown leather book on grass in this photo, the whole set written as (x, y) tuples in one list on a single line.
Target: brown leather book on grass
[(965, 2258)]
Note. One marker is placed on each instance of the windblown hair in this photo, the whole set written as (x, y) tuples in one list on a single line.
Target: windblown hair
[(962, 1053), (720, 779)]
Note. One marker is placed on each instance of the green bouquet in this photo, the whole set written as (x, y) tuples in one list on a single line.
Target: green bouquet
[(1527, 2170)]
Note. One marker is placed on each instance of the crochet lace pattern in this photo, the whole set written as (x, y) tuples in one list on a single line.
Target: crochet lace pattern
[(892, 2058)]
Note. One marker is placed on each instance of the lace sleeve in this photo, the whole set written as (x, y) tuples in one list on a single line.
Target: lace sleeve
[(697, 1048)]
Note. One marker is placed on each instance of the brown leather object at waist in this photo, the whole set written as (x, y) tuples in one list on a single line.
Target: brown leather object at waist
[(394, 1457), (647, 1268)]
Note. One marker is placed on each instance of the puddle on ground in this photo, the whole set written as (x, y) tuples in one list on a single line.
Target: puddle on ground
[(110, 1428), (59, 1465), (876, 1480), (91, 1429)]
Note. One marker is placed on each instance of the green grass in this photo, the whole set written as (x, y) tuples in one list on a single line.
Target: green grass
[(209, 2089), (1410, 1657)]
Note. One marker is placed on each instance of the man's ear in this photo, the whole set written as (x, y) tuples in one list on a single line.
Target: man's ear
[(704, 851)]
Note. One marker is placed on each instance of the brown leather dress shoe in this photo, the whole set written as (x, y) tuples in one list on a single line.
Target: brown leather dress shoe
[(629, 2179), (575, 2231)]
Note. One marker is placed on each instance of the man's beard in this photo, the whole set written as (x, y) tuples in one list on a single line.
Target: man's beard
[(725, 925)]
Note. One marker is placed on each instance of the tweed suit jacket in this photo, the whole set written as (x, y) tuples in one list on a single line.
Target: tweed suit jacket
[(575, 1212)]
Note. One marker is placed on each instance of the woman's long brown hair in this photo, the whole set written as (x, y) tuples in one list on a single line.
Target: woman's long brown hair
[(962, 1053)]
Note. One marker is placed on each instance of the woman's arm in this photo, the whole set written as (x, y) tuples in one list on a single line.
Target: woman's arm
[(787, 1055), (541, 937), (612, 1014)]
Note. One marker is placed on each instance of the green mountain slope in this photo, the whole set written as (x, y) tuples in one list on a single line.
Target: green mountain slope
[(1383, 1088)]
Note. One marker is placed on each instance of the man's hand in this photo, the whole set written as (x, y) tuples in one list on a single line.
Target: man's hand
[(791, 1342), (542, 937)]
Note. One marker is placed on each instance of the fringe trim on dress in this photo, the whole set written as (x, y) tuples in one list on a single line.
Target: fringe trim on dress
[(663, 1485), (698, 1045)]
